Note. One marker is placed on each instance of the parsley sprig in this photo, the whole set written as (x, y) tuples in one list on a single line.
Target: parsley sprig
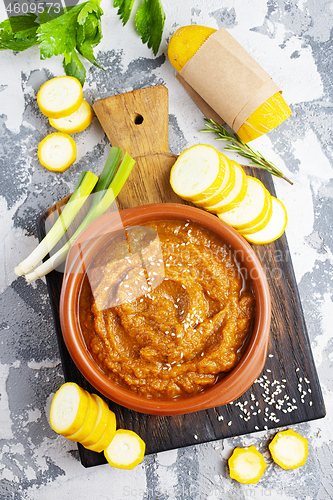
[(149, 20), (66, 32), (236, 144), (76, 31)]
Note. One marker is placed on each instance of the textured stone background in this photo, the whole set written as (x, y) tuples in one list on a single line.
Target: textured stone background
[(292, 41)]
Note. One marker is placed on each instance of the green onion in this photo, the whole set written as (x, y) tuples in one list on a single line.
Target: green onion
[(97, 209), (109, 171), (111, 193), (83, 188)]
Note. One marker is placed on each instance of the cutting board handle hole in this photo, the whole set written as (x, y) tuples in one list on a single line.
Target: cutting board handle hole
[(138, 119)]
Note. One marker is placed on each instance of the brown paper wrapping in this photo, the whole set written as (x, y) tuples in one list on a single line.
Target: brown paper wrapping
[(225, 82)]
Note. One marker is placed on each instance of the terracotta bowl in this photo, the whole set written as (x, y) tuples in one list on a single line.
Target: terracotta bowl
[(228, 388)]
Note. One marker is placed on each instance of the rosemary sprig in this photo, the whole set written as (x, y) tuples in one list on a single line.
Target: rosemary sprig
[(236, 144)]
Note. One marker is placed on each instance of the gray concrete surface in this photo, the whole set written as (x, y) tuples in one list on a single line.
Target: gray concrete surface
[(292, 40)]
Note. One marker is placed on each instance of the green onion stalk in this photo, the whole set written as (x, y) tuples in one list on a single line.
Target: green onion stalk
[(83, 188), (103, 197)]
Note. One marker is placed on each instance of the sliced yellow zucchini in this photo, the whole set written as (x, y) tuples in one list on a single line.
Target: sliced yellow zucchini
[(275, 227), (227, 185), (57, 152), (89, 423), (269, 115), (260, 224), (251, 209), (126, 450), (69, 409), (236, 195), (108, 435), (60, 96), (76, 122), (246, 465), (198, 172), (101, 424), (289, 449)]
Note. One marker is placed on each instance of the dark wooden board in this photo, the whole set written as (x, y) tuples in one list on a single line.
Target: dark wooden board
[(287, 391)]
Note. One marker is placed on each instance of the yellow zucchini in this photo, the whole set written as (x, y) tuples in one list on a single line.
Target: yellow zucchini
[(60, 96), (126, 450)]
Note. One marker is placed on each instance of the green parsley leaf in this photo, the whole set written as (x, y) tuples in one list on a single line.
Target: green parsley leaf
[(86, 50), (58, 35), (22, 23), (124, 9), (74, 67), (89, 32), (18, 33), (49, 14), (76, 30), (91, 7), (150, 20)]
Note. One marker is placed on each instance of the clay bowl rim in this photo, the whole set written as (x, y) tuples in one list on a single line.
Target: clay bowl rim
[(230, 387)]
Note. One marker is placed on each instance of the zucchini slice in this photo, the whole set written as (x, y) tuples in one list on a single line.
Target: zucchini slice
[(60, 96)]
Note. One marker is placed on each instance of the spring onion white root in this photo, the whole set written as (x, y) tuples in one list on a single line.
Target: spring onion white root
[(101, 202), (82, 190)]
